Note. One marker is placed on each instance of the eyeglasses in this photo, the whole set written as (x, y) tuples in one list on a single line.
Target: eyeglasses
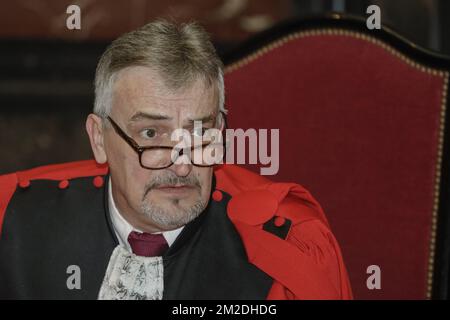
[(161, 157)]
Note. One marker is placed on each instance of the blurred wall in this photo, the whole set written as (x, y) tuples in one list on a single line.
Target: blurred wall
[(46, 70)]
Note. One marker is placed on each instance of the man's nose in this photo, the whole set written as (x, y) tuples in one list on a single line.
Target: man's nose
[(181, 170)]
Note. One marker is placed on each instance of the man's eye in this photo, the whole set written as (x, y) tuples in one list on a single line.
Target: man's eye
[(148, 133)]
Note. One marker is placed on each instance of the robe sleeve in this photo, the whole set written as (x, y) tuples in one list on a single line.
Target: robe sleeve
[(316, 248)]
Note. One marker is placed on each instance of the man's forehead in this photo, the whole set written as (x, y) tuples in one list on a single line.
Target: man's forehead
[(141, 90)]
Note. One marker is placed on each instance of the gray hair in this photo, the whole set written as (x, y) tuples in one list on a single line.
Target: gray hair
[(179, 53)]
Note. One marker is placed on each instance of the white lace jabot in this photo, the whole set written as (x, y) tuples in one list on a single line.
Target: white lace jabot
[(131, 277)]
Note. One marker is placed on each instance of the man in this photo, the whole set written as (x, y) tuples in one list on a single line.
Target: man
[(138, 223)]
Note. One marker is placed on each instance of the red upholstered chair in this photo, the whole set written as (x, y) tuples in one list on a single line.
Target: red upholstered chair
[(361, 115)]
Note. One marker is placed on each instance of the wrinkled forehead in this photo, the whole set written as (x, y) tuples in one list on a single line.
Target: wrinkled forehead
[(142, 90)]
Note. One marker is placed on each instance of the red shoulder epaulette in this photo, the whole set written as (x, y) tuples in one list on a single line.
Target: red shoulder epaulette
[(64, 171), (255, 200)]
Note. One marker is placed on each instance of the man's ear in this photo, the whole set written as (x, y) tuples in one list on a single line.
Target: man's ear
[(94, 128)]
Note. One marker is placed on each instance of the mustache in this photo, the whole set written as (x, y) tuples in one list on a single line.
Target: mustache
[(171, 181)]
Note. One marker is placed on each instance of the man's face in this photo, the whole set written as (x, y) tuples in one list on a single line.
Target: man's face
[(165, 199)]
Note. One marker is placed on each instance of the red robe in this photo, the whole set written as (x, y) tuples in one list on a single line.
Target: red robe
[(307, 264)]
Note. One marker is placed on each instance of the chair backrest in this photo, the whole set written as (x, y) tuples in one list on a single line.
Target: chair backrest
[(361, 115)]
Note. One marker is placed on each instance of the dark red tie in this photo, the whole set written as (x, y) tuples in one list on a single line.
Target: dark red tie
[(146, 244)]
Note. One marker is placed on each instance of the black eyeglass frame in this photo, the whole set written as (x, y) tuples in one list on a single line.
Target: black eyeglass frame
[(141, 149)]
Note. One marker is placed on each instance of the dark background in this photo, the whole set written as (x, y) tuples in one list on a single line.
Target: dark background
[(47, 71)]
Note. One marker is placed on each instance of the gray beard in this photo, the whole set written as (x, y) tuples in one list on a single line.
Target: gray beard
[(175, 218)]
